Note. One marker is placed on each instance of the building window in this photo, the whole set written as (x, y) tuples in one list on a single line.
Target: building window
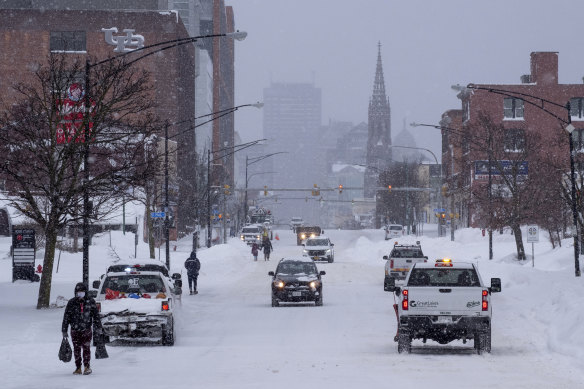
[(577, 108), (68, 41), (578, 139), (512, 108), (466, 110), (514, 140)]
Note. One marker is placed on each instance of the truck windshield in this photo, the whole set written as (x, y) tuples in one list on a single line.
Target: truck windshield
[(251, 230), (317, 242), (443, 277), (406, 253)]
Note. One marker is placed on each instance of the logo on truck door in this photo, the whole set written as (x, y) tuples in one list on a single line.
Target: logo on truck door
[(424, 304)]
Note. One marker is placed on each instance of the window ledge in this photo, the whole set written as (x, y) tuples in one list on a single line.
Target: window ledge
[(515, 119)]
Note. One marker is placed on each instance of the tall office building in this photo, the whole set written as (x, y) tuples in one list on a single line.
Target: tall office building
[(292, 123)]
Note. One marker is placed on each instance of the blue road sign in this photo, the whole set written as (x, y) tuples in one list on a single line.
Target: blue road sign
[(157, 214), (439, 210)]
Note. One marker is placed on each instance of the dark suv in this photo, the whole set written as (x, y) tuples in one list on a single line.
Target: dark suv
[(296, 280)]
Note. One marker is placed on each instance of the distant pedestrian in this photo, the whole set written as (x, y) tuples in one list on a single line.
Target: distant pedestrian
[(193, 265), (267, 246), (81, 313), (255, 251)]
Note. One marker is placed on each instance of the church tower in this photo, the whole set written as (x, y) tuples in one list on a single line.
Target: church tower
[(379, 139)]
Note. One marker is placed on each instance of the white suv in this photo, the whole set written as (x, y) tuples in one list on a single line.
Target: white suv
[(319, 249)]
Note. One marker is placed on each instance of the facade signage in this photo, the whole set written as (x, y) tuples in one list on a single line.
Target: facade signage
[(123, 41), (482, 168)]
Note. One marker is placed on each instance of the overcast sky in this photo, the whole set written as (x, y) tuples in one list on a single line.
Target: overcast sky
[(427, 46)]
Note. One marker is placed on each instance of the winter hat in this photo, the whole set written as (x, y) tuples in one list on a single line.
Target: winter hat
[(80, 287)]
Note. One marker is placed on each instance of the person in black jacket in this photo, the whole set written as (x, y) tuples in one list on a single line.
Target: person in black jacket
[(82, 315), (267, 245), (193, 265)]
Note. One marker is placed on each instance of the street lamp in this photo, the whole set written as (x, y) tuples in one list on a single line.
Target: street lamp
[(247, 163), (568, 127), (161, 46)]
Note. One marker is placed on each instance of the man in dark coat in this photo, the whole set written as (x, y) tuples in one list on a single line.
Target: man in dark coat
[(82, 315), (267, 245), (193, 265)]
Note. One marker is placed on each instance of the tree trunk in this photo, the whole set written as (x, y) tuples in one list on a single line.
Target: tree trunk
[(149, 227), (47, 278), (518, 241)]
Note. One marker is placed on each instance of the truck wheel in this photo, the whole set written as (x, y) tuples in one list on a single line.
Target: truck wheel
[(404, 342), (275, 302), (168, 334), (482, 342)]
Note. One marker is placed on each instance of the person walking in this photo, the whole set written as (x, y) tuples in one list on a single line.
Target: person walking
[(193, 265), (267, 245), (255, 251), (82, 315)]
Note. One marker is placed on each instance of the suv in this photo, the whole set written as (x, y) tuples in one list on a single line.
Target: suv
[(138, 305), (393, 231), (319, 249), (252, 234), (444, 301), (296, 280), (401, 258), (296, 221)]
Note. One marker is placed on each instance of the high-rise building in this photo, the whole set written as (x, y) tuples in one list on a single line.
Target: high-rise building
[(292, 123), (379, 139)]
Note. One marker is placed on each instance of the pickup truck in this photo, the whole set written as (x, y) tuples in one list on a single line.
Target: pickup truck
[(444, 301), (305, 232), (401, 258), (137, 305), (252, 234)]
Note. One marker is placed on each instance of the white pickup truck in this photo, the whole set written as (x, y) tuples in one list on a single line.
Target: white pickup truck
[(401, 258), (444, 301)]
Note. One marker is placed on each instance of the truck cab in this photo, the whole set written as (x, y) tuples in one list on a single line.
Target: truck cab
[(401, 258)]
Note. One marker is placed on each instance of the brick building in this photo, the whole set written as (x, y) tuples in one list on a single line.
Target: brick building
[(517, 108), (28, 36)]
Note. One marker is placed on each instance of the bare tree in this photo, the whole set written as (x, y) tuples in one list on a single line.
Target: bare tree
[(43, 139)]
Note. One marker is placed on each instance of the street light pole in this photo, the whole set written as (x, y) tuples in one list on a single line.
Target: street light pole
[(247, 163), (166, 221)]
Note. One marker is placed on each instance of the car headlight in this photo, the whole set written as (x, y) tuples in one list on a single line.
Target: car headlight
[(242, 237), (314, 284), (304, 251), (328, 250), (279, 284), (302, 236)]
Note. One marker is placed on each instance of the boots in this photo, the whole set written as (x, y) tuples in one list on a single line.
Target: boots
[(77, 371), (87, 370)]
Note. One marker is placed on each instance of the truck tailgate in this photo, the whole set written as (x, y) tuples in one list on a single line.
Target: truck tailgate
[(445, 301)]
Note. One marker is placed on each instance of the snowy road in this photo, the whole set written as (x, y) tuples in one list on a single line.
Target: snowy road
[(229, 336)]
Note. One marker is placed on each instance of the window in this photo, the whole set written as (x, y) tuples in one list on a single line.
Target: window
[(68, 41), (513, 108), (514, 140), (578, 139), (466, 110), (577, 108)]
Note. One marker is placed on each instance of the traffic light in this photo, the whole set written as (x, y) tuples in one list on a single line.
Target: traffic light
[(226, 189), (389, 188), (316, 190), (444, 191), (265, 190), (340, 188)]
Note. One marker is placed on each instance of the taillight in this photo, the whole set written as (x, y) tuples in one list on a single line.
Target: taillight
[(485, 301), (98, 307), (391, 263), (405, 304), (165, 306)]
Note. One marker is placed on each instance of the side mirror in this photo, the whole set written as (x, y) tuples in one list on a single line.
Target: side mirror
[(96, 284), (495, 285), (385, 257), (176, 276), (332, 245), (322, 232), (271, 273), (303, 245), (178, 283), (389, 284), (322, 273), (92, 293)]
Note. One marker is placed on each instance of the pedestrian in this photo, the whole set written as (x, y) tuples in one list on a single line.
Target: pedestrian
[(193, 265), (267, 245), (82, 315), (254, 251)]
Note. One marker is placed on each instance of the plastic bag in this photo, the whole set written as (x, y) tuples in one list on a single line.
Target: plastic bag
[(65, 352), (100, 351)]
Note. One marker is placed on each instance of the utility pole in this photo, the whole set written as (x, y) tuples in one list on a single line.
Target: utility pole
[(166, 221)]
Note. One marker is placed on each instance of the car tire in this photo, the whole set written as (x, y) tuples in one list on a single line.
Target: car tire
[(168, 334), (275, 302), (318, 301), (404, 342), (331, 259)]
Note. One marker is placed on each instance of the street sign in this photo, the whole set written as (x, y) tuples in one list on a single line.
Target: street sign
[(532, 234), (440, 210), (156, 215)]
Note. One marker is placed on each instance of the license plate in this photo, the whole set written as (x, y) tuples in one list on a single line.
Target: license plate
[(315, 258), (296, 294), (444, 319)]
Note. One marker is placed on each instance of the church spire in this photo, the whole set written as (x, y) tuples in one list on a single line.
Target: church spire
[(379, 83)]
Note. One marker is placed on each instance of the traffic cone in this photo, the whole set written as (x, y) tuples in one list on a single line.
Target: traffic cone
[(277, 237)]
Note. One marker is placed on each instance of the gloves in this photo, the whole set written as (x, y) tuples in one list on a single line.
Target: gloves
[(65, 335)]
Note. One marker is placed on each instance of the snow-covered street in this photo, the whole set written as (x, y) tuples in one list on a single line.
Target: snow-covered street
[(229, 336)]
